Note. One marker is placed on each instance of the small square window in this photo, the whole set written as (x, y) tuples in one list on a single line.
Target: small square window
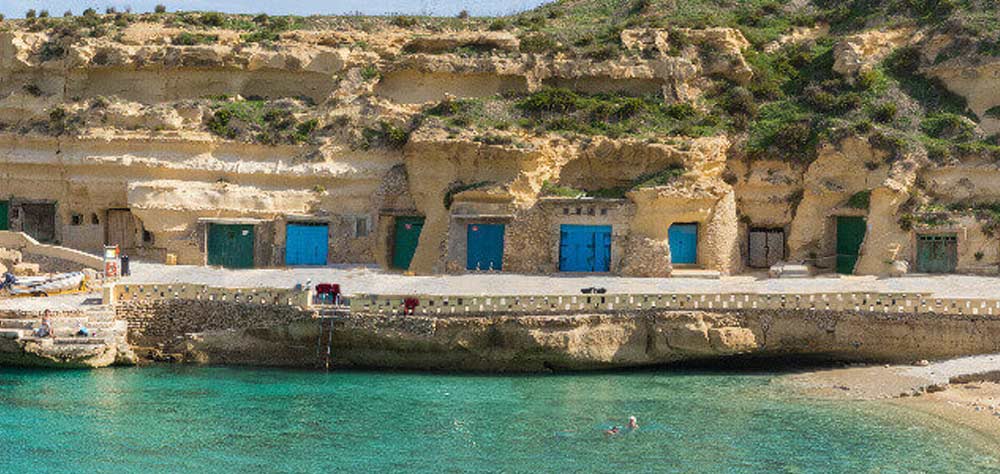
[(590, 211), (75, 219), (361, 226), (565, 211), (147, 237), (604, 212), (579, 211), (94, 220)]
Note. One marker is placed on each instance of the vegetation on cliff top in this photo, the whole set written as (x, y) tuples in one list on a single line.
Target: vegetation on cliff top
[(795, 102)]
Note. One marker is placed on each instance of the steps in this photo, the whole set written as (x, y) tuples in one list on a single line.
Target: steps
[(105, 345)]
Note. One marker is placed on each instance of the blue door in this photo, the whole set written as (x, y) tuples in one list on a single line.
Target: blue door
[(683, 243), (306, 244), (585, 248), (485, 243)]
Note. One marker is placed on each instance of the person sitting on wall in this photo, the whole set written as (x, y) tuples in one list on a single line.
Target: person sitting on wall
[(45, 328), (82, 331)]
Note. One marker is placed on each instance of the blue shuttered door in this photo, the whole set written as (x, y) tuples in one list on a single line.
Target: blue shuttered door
[(683, 243), (585, 248), (306, 244), (485, 247)]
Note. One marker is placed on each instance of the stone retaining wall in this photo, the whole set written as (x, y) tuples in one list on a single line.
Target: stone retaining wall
[(577, 304), (157, 321)]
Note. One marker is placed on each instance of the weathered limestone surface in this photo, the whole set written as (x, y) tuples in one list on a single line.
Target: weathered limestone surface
[(585, 342)]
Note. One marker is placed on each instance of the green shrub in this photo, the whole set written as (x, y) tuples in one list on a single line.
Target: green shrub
[(212, 19), (499, 25), (538, 43), (993, 112), (550, 100), (445, 108), (52, 50), (30, 14), (554, 190), (33, 90), (884, 112), (43, 14), (493, 139), (457, 188), (948, 126), (860, 200), (305, 130), (60, 122), (386, 135), (160, 8), (191, 39), (370, 72), (404, 21), (658, 178)]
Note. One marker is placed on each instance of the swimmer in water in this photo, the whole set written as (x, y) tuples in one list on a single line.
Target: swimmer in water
[(613, 431), (633, 423)]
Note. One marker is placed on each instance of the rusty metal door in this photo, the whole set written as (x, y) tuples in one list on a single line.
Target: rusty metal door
[(39, 221), (766, 247)]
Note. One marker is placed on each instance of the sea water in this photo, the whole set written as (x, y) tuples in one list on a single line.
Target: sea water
[(182, 419)]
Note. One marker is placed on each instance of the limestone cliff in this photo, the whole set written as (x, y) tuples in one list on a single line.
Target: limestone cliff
[(769, 119)]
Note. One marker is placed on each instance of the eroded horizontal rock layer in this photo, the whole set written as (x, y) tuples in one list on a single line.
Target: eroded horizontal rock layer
[(153, 140)]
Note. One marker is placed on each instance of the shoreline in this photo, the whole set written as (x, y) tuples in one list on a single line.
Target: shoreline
[(957, 392)]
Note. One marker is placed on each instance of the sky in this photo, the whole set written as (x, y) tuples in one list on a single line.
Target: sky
[(16, 8)]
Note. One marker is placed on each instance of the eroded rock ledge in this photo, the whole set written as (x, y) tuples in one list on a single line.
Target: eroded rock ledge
[(590, 342)]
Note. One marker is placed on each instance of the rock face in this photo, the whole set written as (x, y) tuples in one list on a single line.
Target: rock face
[(164, 134), (587, 342), (859, 53)]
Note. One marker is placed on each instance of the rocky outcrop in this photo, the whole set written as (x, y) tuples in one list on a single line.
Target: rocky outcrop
[(105, 346), (586, 342), (860, 52)]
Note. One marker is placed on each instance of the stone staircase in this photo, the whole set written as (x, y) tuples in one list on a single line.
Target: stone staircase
[(106, 344)]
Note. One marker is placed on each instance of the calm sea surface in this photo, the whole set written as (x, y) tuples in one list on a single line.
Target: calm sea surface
[(202, 420)]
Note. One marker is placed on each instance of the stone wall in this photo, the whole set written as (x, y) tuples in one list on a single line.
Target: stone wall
[(164, 321)]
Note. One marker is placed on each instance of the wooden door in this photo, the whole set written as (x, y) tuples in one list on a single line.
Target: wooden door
[(120, 229)]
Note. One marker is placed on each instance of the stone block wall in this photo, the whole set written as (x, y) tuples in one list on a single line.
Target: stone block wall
[(156, 321)]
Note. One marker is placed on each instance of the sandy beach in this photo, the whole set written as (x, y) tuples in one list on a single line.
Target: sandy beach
[(962, 392)]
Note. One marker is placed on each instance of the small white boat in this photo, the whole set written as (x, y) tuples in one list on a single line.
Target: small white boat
[(47, 285)]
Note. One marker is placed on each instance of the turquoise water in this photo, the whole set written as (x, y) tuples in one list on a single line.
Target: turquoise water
[(198, 420)]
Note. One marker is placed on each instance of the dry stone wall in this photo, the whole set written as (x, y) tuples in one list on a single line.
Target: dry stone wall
[(159, 321)]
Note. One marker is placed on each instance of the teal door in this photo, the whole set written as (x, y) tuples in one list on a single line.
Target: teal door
[(230, 245), (937, 253), (683, 240), (850, 235), (306, 244), (4, 215), (485, 247), (585, 248), (405, 241)]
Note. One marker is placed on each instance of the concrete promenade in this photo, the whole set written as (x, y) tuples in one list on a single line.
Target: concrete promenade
[(355, 279)]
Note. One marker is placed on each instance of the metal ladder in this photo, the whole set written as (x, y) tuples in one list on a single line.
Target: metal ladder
[(324, 344)]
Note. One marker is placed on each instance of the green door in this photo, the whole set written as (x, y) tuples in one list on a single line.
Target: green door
[(850, 234), (937, 253), (407, 236), (230, 245), (4, 215)]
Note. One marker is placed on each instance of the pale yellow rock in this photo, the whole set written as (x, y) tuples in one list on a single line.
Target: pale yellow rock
[(860, 52), (26, 269)]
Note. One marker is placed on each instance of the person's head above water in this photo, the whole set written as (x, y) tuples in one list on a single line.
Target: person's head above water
[(633, 422)]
